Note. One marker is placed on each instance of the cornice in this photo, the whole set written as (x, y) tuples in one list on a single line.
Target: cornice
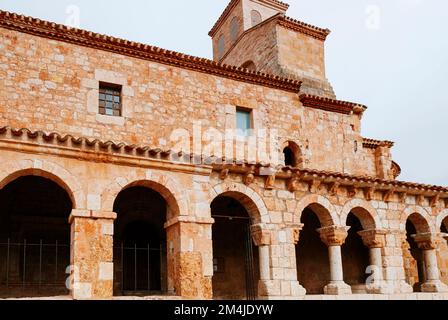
[(331, 105)]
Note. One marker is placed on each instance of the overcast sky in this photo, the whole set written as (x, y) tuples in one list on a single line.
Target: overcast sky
[(390, 55)]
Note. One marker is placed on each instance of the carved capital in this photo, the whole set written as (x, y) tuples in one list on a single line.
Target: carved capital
[(373, 238), (260, 235), (428, 241), (295, 233), (334, 235)]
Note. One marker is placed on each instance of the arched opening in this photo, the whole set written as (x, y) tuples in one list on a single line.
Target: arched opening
[(255, 17), (292, 155), (313, 269), (235, 256), (249, 65), (443, 253), (355, 256), (414, 263), (34, 238), (140, 257), (234, 29)]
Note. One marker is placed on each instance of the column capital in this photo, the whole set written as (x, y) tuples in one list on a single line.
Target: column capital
[(374, 238), (260, 235), (76, 213), (334, 235), (428, 241)]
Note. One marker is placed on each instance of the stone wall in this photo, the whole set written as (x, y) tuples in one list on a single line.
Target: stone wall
[(53, 86)]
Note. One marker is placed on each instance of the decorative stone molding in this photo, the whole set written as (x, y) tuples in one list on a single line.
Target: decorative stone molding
[(373, 238), (333, 235), (428, 241), (270, 182), (260, 235)]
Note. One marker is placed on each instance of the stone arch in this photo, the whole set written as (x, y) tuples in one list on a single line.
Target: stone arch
[(364, 211), (176, 200), (441, 219), (255, 17), (251, 201), (323, 208), (12, 170), (420, 217)]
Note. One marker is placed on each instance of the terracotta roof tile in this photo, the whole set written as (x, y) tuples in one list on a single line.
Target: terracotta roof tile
[(85, 38), (327, 104)]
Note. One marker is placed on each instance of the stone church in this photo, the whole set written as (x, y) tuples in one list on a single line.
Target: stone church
[(130, 170)]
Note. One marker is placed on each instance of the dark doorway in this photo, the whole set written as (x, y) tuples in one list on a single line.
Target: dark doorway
[(235, 257), (140, 243), (413, 259), (355, 257), (34, 238), (313, 268)]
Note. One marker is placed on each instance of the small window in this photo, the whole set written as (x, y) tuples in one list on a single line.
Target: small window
[(234, 29), (243, 121), (110, 100), (289, 157), (249, 65), (221, 46), (255, 17)]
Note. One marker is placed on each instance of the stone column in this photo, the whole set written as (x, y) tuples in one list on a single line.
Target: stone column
[(190, 257), (334, 237), (278, 272), (375, 241), (428, 243), (91, 254)]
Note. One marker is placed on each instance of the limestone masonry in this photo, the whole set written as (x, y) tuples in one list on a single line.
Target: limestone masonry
[(120, 175)]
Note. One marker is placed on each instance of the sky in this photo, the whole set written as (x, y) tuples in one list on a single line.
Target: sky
[(390, 55)]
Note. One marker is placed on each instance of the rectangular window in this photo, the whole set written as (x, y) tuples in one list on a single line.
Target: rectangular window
[(110, 100), (243, 121)]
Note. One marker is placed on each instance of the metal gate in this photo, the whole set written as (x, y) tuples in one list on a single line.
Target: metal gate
[(251, 290), (139, 268), (33, 268), (249, 262)]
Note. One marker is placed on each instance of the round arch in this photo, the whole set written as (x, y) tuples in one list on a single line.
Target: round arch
[(420, 217), (323, 208), (13, 170), (364, 211), (251, 201), (250, 65), (440, 220), (177, 201), (296, 153)]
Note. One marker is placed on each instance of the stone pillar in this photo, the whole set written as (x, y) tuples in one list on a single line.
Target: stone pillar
[(428, 243), (91, 254), (334, 237), (375, 241), (394, 262), (190, 257), (278, 272)]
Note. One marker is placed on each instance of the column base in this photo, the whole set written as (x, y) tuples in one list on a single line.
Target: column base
[(434, 286), (280, 290), (337, 288)]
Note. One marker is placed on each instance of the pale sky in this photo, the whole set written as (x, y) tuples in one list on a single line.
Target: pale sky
[(390, 55)]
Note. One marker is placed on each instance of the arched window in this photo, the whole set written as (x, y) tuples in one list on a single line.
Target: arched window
[(221, 46), (234, 29), (255, 17), (250, 65), (292, 154)]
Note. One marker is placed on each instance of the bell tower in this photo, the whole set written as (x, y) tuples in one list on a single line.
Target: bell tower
[(257, 35)]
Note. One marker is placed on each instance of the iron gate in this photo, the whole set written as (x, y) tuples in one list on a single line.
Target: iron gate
[(139, 268), (33, 268)]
